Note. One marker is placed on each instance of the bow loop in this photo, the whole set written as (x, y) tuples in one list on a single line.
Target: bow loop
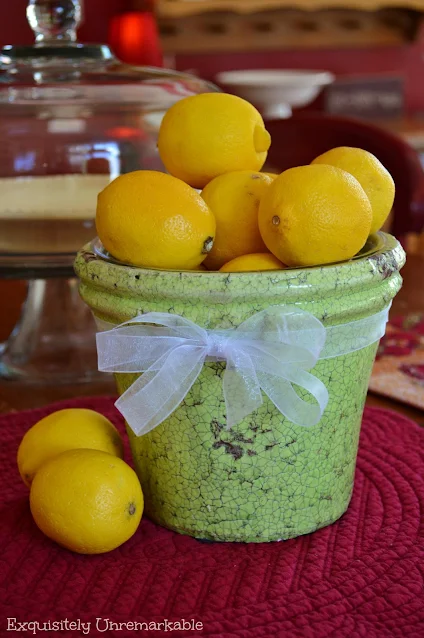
[(293, 333)]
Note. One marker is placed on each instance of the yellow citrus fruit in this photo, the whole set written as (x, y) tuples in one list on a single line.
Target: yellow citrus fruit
[(315, 214), (203, 136), (272, 175), (250, 263), (154, 220), (234, 200), (374, 178), (87, 501), (66, 430)]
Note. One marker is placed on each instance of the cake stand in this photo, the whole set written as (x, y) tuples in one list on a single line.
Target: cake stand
[(72, 118), (275, 92)]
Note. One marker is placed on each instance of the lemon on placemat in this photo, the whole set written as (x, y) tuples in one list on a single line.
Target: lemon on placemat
[(153, 220), (234, 200), (374, 178), (313, 215), (87, 501), (66, 430), (255, 262), (203, 136)]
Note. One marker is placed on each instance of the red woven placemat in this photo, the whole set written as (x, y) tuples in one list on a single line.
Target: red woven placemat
[(362, 576)]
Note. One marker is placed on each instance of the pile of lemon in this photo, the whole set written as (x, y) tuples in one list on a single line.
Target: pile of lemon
[(242, 219), (82, 494)]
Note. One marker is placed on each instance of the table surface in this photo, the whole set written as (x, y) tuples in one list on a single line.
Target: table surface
[(15, 396)]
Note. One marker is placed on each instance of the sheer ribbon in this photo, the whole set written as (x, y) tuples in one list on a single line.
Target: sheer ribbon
[(271, 352)]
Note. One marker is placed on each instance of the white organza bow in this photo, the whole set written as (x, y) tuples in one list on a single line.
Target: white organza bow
[(270, 352)]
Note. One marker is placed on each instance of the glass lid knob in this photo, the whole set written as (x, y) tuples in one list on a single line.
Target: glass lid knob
[(55, 24), (54, 21)]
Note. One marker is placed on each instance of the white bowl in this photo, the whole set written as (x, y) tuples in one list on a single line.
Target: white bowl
[(274, 92)]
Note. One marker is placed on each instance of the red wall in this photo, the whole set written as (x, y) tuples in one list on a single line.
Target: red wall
[(406, 60)]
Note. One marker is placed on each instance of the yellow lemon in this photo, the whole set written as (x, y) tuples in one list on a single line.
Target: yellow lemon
[(315, 214), (374, 178), (154, 220), (203, 136), (250, 263), (66, 430), (271, 175), (87, 501), (234, 200)]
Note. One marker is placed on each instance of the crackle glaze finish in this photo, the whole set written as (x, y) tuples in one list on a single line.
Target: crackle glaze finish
[(266, 479)]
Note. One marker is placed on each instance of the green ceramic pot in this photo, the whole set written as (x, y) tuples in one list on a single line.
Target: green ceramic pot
[(266, 479)]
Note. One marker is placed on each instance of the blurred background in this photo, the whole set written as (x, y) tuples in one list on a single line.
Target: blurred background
[(368, 44), (374, 48)]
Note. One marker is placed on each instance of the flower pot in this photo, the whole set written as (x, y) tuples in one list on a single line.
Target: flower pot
[(266, 478)]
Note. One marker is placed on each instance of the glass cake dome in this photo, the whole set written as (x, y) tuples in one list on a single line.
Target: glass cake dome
[(72, 118)]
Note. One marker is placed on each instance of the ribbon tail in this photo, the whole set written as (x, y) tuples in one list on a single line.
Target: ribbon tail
[(288, 402), (160, 390), (242, 392)]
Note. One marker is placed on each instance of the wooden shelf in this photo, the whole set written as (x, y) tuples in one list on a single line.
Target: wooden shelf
[(182, 8), (286, 29)]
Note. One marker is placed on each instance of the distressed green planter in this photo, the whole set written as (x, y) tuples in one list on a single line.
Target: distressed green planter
[(266, 479)]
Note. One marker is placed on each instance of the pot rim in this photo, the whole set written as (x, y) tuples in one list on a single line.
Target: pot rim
[(93, 255), (116, 292)]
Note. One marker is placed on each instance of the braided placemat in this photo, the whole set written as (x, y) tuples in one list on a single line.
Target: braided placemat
[(362, 576)]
